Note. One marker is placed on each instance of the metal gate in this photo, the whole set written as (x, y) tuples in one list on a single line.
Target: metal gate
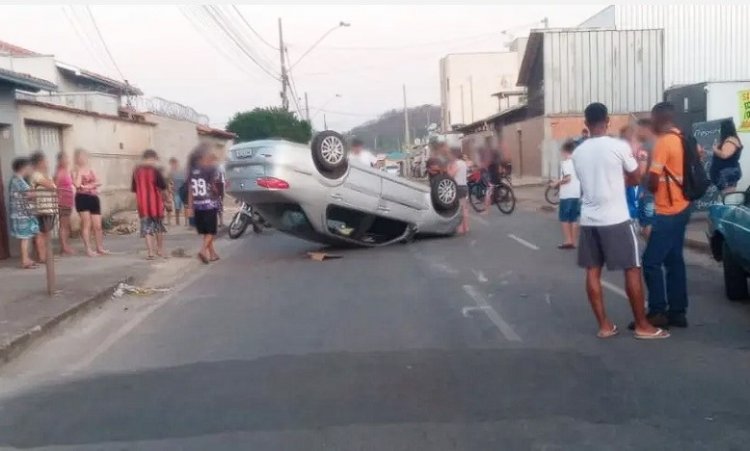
[(47, 138)]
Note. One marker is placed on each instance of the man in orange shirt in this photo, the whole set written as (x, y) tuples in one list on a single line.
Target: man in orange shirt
[(664, 251)]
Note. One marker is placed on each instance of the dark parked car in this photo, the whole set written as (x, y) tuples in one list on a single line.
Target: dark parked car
[(729, 235)]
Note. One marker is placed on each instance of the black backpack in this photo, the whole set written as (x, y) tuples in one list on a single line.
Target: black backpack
[(695, 182)]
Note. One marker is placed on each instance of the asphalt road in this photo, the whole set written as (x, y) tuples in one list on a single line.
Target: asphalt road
[(484, 342)]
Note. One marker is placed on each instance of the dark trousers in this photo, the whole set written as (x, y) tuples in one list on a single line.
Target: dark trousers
[(664, 257)]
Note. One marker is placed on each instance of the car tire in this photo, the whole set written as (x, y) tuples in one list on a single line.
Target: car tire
[(444, 191), (735, 277), (329, 152)]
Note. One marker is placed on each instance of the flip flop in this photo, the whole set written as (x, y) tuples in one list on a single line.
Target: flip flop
[(609, 333), (660, 334), (30, 266), (566, 246), (150, 257), (215, 259), (203, 258)]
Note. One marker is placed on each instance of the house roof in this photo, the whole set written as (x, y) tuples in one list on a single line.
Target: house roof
[(489, 119), (14, 50), (26, 81), (215, 132), (124, 88)]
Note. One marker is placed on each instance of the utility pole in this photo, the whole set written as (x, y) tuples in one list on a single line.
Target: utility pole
[(471, 96), (284, 76), (463, 109), (545, 21), (406, 121), (307, 109)]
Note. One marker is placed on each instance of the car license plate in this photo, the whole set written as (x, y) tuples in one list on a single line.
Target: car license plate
[(244, 153)]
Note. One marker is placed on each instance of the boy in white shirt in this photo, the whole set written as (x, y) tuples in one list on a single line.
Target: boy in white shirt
[(570, 196)]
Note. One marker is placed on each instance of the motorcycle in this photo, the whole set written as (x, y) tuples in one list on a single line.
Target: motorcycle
[(244, 217)]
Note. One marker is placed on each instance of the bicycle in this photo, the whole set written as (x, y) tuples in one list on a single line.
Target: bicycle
[(503, 195), (552, 194)]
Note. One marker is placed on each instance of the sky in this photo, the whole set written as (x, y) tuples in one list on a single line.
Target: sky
[(354, 74)]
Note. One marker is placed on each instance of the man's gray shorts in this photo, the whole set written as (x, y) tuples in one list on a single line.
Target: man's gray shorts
[(614, 245)]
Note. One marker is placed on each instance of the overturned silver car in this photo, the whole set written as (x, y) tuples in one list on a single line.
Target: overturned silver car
[(317, 193)]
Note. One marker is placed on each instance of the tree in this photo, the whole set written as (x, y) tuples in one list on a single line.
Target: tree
[(270, 122)]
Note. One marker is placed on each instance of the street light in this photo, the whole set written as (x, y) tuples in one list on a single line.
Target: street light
[(336, 96), (340, 25)]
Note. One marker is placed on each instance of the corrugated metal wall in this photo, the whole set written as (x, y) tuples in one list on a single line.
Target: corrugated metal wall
[(702, 42), (622, 69)]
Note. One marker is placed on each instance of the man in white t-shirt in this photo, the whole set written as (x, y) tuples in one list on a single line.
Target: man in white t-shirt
[(358, 154), (604, 165), (570, 196)]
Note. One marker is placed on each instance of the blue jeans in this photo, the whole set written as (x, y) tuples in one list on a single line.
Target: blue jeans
[(664, 253)]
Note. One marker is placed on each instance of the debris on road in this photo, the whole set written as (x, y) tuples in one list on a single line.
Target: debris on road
[(320, 256), (124, 288)]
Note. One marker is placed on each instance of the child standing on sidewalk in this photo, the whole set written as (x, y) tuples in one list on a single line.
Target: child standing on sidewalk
[(204, 199), (570, 196), (148, 185)]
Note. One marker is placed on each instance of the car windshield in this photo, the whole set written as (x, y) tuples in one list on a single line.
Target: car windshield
[(353, 226)]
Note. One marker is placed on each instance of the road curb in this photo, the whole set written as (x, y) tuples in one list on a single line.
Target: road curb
[(14, 347)]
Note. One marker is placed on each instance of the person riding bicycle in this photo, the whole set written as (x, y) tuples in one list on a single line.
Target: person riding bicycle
[(494, 174)]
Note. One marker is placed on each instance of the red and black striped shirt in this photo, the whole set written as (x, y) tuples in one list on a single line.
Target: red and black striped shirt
[(148, 184)]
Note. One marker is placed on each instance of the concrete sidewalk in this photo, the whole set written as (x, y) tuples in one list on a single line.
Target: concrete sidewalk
[(27, 312), (531, 198)]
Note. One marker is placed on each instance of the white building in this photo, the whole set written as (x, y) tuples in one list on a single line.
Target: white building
[(477, 85), (702, 42)]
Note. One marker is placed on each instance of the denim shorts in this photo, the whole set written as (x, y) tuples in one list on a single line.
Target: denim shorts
[(569, 210), (177, 200)]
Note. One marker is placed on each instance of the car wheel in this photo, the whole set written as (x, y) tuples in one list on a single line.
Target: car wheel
[(735, 277), (329, 151), (444, 192)]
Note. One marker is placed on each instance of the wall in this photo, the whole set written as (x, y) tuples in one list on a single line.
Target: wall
[(115, 146), (8, 138), (722, 101), (622, 69), (37, 66), (97, 102), (478, 75), (702, 42), (173, 138), (603, 19), (524, 141), (562, 128)]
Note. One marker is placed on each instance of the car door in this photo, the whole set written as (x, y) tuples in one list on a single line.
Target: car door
[(402, 199), (360, 190), (741, 227)]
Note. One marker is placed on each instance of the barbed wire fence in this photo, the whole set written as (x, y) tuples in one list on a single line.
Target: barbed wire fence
[(170, 109)]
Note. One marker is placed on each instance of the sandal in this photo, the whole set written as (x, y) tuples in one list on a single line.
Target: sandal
[(660, 334), (30, 266), (608, 333), (203, 258)]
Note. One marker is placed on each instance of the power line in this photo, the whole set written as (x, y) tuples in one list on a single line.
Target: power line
[(196, 22), (253, 29), (104, 43), (82, 36), (237, 32), (239, 45), (293, 86)]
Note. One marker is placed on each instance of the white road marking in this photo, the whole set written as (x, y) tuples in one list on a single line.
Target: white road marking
[(524, 242), (492, 314), (466, 310), (480, 276), (614, 288), (548, 299)]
